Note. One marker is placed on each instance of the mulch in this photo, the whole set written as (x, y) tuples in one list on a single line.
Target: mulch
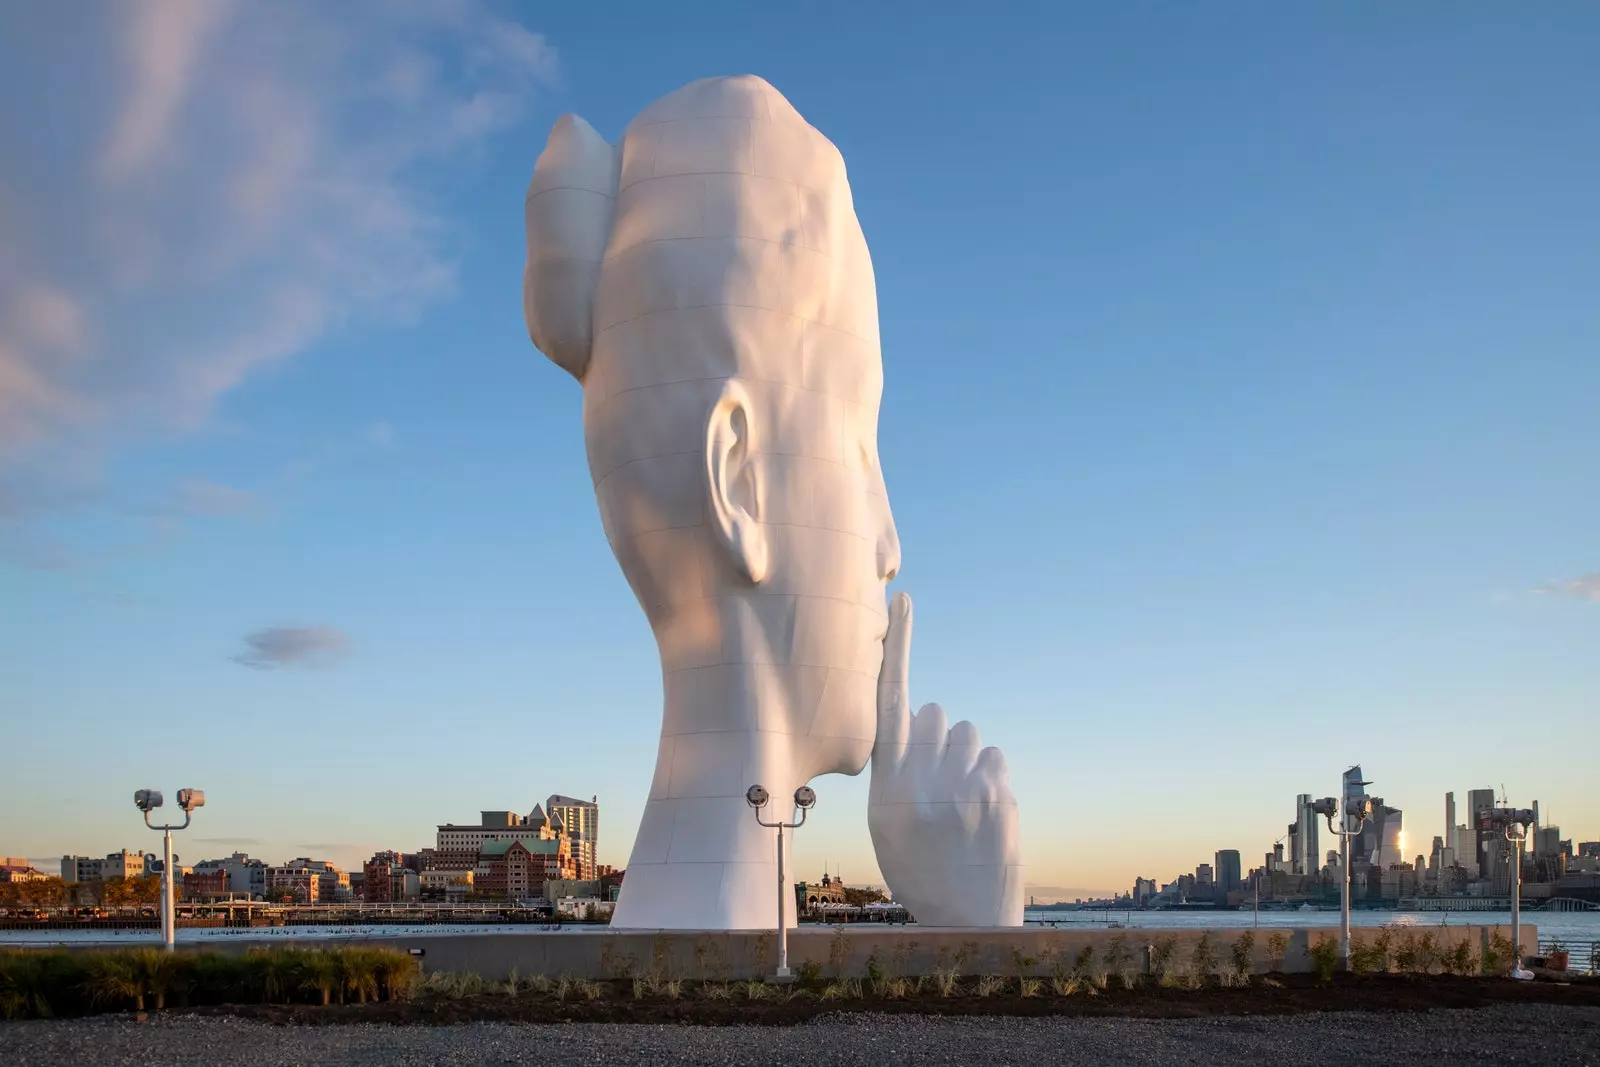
[(1278, 995)]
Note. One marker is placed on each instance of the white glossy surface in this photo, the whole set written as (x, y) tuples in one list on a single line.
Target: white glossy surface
[(708, 283)]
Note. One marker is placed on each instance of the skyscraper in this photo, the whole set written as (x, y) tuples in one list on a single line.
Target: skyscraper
[(1478, 802), (1449, 818), (1307, 850), (581, 821), (1229, 878)]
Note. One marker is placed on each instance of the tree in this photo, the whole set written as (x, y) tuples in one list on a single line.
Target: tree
[(860, 898)]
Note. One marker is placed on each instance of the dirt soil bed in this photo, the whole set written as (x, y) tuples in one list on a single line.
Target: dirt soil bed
[(1279, 995)]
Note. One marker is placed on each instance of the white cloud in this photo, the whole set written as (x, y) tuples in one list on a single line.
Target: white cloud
[(161, 43), (1586, 587), (239, 181)]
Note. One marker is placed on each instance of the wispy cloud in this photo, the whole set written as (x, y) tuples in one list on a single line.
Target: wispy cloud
[(198, 497), (1586, 587), (293, 646), (269, 173), (381, 434)]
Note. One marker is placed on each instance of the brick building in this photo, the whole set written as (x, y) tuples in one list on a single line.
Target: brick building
[(389, 877), (518, 870)]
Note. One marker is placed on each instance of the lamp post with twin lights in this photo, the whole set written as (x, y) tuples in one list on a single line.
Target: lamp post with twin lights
[(1358, 808), (804, 799), (149, 800)]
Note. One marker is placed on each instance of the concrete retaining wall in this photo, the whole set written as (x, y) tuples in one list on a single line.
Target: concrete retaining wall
[(894, 950)]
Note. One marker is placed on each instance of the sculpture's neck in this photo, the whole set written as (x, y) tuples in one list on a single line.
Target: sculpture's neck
[(701, 859)]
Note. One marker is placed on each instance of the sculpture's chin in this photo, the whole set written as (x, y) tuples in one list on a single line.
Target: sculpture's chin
[(846, 756)]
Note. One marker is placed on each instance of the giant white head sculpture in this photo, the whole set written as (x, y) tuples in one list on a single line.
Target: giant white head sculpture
[(709, 285)]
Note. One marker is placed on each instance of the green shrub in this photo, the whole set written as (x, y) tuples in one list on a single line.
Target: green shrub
[(1203, 960), (1325, 957), (1277, 946), (1498, 954), (1427, 952), (1362, 956), (111, 981), (1161, 951), (1118, 955), (1405, 954), (26, 981), (1243, 954), (1458, 960)]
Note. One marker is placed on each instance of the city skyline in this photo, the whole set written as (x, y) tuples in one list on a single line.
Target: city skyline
[(1416, 842), (1238, 405)]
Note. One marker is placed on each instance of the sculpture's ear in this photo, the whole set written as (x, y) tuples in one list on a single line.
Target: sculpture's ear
[(734, 483), (568, 213)]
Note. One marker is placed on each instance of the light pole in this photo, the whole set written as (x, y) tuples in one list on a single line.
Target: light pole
[(804, 799), (149, 800), (1359, 807), (1514, 823)]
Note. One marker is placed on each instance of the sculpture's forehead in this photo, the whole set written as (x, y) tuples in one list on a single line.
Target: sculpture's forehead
[(737, 125), (739, 95)]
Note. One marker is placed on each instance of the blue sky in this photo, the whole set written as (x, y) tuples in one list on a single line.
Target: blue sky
[(1239, 421)]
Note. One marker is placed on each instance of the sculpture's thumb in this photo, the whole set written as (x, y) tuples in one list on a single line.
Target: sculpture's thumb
[(894, 685)]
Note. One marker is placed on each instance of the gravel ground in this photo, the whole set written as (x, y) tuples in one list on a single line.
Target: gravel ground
[(1526, 1033)]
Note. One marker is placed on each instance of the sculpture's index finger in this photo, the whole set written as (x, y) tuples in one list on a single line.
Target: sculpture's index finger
[(894, 681)]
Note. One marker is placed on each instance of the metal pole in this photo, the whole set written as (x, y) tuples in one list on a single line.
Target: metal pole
[(1516, 906), (167, 932), (783, 926), (1344, 897)]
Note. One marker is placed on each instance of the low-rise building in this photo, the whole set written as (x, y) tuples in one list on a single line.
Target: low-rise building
[(333, 884), (123, 864), (20, 872), (244, 875), (388, 878), (518, 870), (445, 885), (208, 884), (302, 883)]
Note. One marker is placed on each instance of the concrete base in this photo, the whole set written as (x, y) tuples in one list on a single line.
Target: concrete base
[(853, 950)]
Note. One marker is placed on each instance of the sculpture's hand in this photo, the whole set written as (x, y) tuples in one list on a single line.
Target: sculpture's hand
[(940, 809)]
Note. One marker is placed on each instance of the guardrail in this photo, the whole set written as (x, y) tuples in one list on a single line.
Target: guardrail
[(1583, 957)]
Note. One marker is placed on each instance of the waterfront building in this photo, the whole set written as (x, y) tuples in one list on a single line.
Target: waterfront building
[(1478, 802), (123, 864), (1229, 879), (18, 869), (445, 884), (518, 870), (208, 883), (387, 878), (581, 821), (1307, 846), (333, 884), (301, 883), (244, 875)]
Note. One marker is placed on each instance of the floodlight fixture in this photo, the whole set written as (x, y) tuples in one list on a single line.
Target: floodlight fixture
[(1328, 807), (149, 800), (756, 796), (805, 798)]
